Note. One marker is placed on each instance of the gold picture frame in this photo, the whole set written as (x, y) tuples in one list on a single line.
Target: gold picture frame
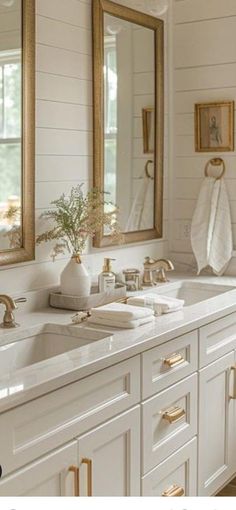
[(148, 115), (26, 251), (214, 127)]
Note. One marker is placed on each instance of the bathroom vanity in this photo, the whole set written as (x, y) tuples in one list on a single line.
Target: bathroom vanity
[(145, 412)]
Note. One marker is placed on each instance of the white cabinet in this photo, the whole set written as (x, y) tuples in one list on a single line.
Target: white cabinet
[(88, 437), (103, 462), (169, 421), (216, 426), (52, 475), (109, 457), (176, 476)]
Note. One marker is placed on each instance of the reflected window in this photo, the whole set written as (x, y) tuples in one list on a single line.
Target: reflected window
[(10, 130), (110, 116)]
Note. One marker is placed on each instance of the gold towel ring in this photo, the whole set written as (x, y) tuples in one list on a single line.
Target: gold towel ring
[(215, 162), (147, 171)]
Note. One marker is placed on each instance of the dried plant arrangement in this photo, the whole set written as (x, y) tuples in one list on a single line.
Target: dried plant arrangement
[(76, 218)]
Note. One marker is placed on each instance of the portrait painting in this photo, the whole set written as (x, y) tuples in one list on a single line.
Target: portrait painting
[(214, 127)]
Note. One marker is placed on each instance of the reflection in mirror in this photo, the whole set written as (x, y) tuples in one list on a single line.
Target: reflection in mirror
[(10, 124), (128, 127), (128, 75), (16, 130)]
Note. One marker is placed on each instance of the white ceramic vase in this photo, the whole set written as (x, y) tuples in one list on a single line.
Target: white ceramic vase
[(75, 279)]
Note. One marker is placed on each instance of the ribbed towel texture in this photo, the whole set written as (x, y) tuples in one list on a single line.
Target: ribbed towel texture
[(132, 324), (211, 230), (159, 303), (119, 315)]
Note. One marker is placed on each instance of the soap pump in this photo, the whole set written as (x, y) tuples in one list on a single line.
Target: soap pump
[(106, 279)]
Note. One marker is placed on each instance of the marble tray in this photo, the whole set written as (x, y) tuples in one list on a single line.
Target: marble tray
[(58, 300)]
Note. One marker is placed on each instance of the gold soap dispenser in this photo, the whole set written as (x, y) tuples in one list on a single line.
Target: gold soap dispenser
[(106, 279)]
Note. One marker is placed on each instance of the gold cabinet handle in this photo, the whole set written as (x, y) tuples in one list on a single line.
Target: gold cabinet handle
[(88, 463), (233, 369), (75, 471), (173, 491), (174, 360), (173, 414)]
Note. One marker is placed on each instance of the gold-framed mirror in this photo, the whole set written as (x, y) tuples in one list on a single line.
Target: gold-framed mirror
[(17, 131), (128, 92)]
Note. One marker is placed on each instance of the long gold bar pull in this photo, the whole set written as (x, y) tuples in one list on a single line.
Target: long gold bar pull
[(233, 397), (173, 492), (88, 463), (75, 471), (174, 360), (173, 414)]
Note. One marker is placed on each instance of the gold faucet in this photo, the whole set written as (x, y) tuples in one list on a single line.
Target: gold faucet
[(155, 271), (10, 305)]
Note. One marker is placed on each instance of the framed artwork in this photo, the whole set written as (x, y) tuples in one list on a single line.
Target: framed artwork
[(214, 127), (148, 130)]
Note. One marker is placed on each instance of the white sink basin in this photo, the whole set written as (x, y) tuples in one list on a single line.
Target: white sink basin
[(191, 292), (45, 342)]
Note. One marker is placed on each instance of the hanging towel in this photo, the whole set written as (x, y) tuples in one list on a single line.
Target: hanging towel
[(120, 312), (211, 230), (164, 304), (141, 215)]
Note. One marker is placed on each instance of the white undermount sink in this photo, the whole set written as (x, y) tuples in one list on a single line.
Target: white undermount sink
[(192, 292), (44, 342)]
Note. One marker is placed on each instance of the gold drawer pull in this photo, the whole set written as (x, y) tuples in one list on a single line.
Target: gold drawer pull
[(173, 414), (233, 369), (173, 491), (174, 360), (88, 463), (75, 470)]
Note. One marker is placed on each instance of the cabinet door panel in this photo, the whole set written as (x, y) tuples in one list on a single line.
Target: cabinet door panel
[(180, 469), (161, 437), (216, 462), (48, 476), (157, 374), (113, 452), (46, 423)]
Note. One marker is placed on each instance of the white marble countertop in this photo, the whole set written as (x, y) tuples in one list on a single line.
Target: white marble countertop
[(35, 380)]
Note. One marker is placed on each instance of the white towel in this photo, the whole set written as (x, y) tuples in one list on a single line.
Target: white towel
[(141, 215), (120, 312), (112, 323), (211, 230), (158, 302)]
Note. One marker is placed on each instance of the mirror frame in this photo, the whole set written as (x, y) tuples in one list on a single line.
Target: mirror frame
[(99, 8), (27, 251)]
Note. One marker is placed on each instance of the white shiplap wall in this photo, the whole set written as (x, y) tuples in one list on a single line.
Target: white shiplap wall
[(64, 135), (204, 70)]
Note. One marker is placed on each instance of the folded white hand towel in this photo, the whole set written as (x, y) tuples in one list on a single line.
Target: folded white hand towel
[(112, 323), (120, 312), (211, 231), (164, 304)]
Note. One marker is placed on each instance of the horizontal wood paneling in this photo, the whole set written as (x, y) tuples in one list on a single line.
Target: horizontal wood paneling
[(191, 10), (204, 70), (64, 136)]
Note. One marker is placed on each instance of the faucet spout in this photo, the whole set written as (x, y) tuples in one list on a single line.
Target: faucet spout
[(8, 302), (10, 305)]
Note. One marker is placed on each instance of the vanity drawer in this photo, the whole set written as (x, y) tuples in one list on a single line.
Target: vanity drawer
[(176, 476), (169, 363), (169, 420), (39, 426), (216, 339)]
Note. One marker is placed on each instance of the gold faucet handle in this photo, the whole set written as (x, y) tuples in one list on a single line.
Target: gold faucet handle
[(20, 300)]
